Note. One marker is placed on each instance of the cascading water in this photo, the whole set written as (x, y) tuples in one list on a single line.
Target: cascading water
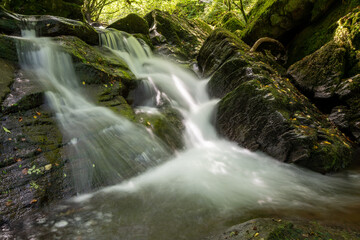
[(107, 148), (189, 195)]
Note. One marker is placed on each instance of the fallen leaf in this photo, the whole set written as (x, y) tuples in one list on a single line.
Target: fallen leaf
[(48, 167), (39, 150), (20, 119), (35, 117), (6, 130), (38, 113), (256, 234), (25, 171), (33, 201), (18, 160), (83, 83), (8, 203)]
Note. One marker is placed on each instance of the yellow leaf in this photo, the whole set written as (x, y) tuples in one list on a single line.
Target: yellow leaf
[(83, 83), (48, 167), (35, 117), (256, 234), (6, 130), (326, 142)]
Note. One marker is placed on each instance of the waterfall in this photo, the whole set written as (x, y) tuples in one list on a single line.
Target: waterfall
[(189, 195), (105, 148)]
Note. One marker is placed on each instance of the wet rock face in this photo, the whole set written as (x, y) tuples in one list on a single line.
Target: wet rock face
[(33, 167), (174, 36), (261, 110), (277, 18)]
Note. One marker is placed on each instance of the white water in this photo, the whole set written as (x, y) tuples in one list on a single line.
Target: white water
[(210, 179), (106, 148)]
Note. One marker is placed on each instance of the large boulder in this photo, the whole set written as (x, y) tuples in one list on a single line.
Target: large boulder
[(172, 35), (279, 18), (320, 32), (331, 75), (62, 8), (96, 65), (261, 110), (132, 23), (33, 169)]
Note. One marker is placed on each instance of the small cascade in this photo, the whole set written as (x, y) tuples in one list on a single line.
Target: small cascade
[(193, 193), (105, 148)]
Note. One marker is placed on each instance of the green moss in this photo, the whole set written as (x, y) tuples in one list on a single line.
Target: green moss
[(233, 24), (94, 64), (319, 33), (167, 125), (285, 232)]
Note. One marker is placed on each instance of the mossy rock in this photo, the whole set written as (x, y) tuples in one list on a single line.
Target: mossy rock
[(180, 36), (167, 125), (233, 24), (7, 75), (279, 19), (276, 229), (319, 74), (132, 23), (261, 110), (319, 32), (96, 65), (8, 49)]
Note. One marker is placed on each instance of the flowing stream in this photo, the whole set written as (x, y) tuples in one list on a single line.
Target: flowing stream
[(152, 195)]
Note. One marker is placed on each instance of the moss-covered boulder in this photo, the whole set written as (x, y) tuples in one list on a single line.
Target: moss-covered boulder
[(261, 110), (279, 18), (319, 74), (320, 32), (276, 229), (132, 23), (62, 8), (7, 72), (330, 75), (8, 48), (96, 65), (176, 36), (231, 22)]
